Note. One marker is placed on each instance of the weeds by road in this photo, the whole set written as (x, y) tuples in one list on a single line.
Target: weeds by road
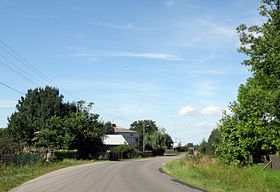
[(11, 177), (216, 176)]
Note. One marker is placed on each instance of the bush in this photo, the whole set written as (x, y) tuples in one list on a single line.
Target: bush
[(158, 152), (123, 152), (65, 154)]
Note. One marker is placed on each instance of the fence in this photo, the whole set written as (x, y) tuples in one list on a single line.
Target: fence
[(19, 159), (275, 161)]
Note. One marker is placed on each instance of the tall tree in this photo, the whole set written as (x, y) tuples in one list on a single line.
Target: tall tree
[(253, 128), (80, 130), (34, 110), (147, 127)]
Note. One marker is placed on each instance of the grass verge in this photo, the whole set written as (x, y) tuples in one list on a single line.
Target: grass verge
[(218, 177), (11, 177)]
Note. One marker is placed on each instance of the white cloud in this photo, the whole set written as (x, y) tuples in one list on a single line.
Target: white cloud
[(123, 26), (205, 124), (93, 55), (7, 103), (187, 110), (161, 56), (211, 110)]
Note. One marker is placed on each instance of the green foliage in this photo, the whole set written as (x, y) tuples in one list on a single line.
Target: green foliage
[(216, 176), (7, 145), (108, 127), (43, 120), (154, 139), (65, 154), (34, 110), (124, 152), (208, 147), (158, 142), (253, 126), (148, 126)]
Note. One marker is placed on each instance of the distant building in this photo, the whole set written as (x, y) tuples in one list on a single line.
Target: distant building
[(131, 137), (176, 145)]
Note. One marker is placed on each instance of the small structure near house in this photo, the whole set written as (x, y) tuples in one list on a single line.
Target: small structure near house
[(114, 140), (176, 146)]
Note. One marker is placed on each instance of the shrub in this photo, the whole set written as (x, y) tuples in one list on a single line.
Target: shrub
[(123, 152), (65, 154)]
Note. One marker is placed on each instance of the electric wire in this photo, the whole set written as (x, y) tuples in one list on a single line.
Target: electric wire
[(4, 84), (18, 69), (28, 65)]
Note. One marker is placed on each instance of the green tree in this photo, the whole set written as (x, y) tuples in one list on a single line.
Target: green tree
[(81, 130), (7, 142), (146, 126), (85, 134), (213, 141), (108, 127), (253, 128), (159, 140), (34, 110)]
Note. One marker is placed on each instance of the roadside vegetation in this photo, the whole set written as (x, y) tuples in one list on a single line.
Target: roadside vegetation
[(211, 175), (12, 176), (237, 151), (251, 129), (44, 128)]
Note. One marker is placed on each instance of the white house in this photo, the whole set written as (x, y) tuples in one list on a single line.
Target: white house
[(132, 137)]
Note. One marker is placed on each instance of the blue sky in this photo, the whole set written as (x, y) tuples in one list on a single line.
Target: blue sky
[(172, 61)]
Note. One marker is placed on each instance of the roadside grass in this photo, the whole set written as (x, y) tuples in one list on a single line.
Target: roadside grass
[(171, 153), (216, 176), (11, 177)]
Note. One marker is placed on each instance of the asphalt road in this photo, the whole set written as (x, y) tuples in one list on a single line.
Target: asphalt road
[(120, 176)]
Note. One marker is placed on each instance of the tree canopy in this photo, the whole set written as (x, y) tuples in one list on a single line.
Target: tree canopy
[(253, 128), (148, 126), (43, 120), (154, 138)]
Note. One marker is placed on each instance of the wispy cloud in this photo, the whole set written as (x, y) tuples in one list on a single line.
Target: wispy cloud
[(7, 103), (218, 28), (207, 88), (124, 26), (160, 56), (93, 56), (209, 34)]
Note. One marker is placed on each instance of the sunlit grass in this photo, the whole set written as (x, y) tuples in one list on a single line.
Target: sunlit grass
[(11, 177), (216, 176)]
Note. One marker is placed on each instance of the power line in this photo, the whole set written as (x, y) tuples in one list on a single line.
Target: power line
[(28, 65), (19, 58), (11, 88), (18, 69)]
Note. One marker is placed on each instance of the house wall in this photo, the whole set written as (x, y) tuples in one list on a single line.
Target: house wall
[(132, 138)]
